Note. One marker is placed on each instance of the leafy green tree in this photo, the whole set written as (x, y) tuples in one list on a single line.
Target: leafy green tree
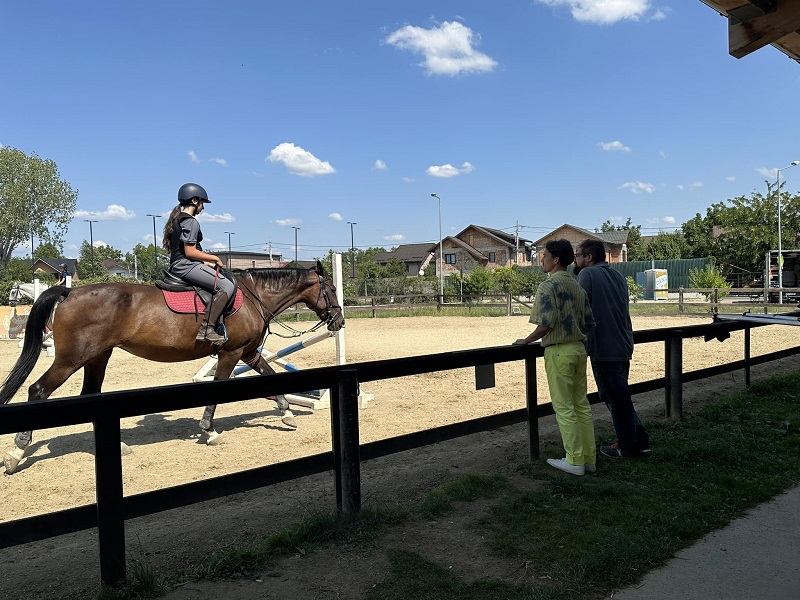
[(47, 250), (634, 289), (90, 262), (395, 268), (140, 261), (709, 277), (479, 282), (531, 278), (665, 246), (509, 279), (636, 247), (33, 200), (17, 269)]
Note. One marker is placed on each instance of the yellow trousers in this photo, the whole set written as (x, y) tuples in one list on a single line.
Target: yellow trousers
[(565, 365)]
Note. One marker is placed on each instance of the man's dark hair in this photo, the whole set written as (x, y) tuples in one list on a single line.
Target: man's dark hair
[(561, 249), (593, 248)]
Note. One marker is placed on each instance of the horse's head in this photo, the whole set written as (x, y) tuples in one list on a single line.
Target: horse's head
[(15, 295), (327, 306)]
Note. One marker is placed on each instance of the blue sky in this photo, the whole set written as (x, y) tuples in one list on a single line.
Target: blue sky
[(315, 114)]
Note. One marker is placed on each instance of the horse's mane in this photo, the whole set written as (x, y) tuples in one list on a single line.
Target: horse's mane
[(274, 278)]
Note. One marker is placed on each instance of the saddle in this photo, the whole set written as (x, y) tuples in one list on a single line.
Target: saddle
[(184, 298)]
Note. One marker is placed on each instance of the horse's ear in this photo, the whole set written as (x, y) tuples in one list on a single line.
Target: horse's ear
[(320, 268)]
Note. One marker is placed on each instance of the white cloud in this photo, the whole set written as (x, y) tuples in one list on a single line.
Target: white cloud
[(397, 237), (662, 154), (448, 49), (299, 161), (193, 156), (660, 13), (615, 146), (766, 172), (219, 161), (211, 218), (218, 246), (335, 216), (379, 165), (731, 178), (99, 244), (407, 179), (113, 212), (288, 222), (449, 170), (637, 187), (608, 12), (670, 220)]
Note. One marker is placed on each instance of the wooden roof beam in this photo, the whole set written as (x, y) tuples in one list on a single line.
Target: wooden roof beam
[(748, 36)]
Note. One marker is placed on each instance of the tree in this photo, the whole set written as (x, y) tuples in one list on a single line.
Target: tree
[(666, 246), (140, 262), (709, 277), (479, 282), (636, 247), (47, 250), (17, 269), (94, 268), (33, 200)]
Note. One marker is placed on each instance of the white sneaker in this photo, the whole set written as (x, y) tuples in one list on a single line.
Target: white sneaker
[(590, 468), (562, 465)]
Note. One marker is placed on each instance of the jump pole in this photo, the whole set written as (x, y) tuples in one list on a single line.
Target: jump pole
[(309, 400)]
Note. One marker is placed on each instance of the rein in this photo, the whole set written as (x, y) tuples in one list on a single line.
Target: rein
[(268, 315)]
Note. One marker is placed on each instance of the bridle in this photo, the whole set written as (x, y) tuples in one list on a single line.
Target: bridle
[(269, 316)]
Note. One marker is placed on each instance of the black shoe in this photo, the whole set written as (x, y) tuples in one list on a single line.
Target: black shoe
[(614, 451)]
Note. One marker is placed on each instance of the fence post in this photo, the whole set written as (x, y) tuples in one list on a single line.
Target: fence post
[(346, 453), (680, 300), (373, 307), (673, 373), (715, 302), (747, 355), (108, 484), (532, 404), (508, 304)]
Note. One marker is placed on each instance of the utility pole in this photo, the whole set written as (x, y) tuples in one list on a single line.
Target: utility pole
[(230, 233), (296, 229), (91, 243), (516, 244)]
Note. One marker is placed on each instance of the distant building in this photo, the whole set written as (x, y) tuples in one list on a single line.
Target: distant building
[(615, 242), (53, 266)]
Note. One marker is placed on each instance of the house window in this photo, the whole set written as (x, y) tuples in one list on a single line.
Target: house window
[(492, 257), (450, 259)]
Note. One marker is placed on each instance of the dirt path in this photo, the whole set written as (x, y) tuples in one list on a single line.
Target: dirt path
[(59, 472)]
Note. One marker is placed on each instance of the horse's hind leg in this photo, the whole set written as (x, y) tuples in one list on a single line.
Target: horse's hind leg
[(41, 389), (259, 364), (94, 373)]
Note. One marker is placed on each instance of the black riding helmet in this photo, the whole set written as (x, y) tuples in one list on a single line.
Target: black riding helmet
[(192, 190)]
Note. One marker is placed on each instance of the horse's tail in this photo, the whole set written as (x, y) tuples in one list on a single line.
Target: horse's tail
[(32, 346)]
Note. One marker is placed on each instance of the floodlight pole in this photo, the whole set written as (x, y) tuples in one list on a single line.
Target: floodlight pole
[(296, 229), (230, 233), (91, 241), (352, 250)]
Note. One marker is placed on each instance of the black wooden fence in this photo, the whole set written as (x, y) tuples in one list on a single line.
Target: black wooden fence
[(105, 410)]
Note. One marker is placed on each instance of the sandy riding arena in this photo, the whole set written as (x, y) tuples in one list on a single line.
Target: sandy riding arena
[(58, 470)]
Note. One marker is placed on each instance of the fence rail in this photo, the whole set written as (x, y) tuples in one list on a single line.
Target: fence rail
[(105, 410)]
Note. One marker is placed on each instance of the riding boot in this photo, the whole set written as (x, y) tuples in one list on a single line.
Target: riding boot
[(210, 318)]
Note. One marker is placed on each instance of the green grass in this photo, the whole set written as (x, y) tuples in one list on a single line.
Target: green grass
[(581, 537)]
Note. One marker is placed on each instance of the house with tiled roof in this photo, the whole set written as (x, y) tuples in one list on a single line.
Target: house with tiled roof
[(475, 245), (615, 242)]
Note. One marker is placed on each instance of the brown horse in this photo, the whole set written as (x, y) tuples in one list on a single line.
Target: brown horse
[(92, 320)]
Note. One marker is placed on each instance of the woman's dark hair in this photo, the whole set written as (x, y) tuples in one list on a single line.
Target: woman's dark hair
[(168, 226), (561, 249), (593, 248)]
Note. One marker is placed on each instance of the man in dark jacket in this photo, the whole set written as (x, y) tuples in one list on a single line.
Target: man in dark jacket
[(611, 347)]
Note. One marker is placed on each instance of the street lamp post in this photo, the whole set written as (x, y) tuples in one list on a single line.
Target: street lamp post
[(91, 242), (352, 250), (780, 249), (230, 233), (441, 254), (155, 249), (296, 229)]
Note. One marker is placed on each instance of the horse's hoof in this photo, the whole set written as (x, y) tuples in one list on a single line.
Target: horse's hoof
[(125, 449), (12, 458), (288, 420), (214, 439)]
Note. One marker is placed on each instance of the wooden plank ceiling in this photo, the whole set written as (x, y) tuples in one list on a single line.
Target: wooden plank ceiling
[(753, 24)]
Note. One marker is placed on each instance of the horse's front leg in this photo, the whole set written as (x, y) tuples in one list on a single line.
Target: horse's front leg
[(225, 365), (259, 364)]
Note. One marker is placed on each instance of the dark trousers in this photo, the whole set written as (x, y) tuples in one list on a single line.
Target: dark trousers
[(611, 378)]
